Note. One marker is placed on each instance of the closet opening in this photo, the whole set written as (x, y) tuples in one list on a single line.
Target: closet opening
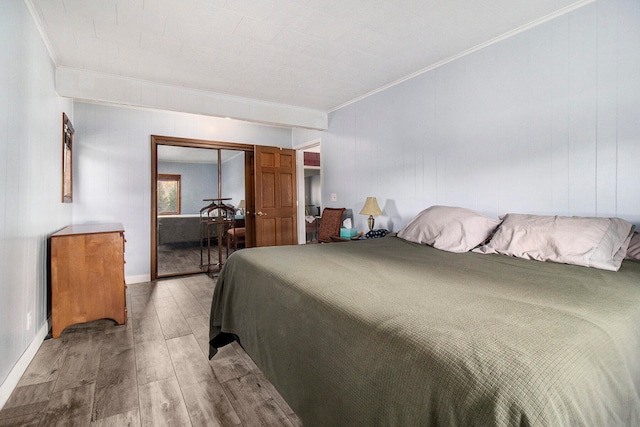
[(199, 195)]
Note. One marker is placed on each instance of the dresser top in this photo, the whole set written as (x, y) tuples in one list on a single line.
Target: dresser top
[(89, 229)]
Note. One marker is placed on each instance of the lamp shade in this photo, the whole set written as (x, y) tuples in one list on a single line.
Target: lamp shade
[(242, 204), (371, 207)]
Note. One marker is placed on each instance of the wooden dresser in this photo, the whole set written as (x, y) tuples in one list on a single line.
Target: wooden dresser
[(87, 275)]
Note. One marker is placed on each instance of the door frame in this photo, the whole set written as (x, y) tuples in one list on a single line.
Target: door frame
[(181, 142), (317, 142)]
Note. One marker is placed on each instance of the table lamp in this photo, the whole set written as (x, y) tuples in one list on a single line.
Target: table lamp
[(371, 208), (242, 206)]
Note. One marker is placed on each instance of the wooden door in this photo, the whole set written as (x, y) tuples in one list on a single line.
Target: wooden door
[(275, 203)]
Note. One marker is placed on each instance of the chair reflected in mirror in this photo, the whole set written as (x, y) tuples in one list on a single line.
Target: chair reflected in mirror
[(236, 235)]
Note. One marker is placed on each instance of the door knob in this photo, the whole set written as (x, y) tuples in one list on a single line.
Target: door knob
[(260, 213)]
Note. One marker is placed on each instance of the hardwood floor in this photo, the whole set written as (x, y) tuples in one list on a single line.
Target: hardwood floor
[(154, 371)]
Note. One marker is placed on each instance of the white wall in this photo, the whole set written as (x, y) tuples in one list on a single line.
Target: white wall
[(545, 122), (233, 185), (30, 183), (113, 165), (313, 191)]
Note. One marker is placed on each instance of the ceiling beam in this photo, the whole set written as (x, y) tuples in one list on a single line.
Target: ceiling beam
[(115, 90)]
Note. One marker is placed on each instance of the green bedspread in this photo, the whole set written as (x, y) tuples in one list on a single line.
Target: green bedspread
[(385, 332)]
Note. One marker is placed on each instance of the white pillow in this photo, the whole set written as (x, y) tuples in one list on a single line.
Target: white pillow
[(449, 228), (590, 242), (633, 252)]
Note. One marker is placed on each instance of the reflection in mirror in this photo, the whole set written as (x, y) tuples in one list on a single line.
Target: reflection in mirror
[(233, 187), (168, 189), (67, 159), (184, 243)]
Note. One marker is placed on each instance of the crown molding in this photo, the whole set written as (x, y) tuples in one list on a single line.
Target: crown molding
[(38, 20), (476, 48)]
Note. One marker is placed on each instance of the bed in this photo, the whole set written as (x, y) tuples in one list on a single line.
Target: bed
[(391, 332)]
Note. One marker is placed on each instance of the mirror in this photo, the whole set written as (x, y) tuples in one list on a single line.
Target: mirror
[(67, 158), (190, 238)]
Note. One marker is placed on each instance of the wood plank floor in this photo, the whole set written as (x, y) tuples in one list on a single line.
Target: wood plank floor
[(154, 371)]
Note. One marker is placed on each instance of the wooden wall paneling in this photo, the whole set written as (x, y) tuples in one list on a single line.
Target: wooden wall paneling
[(606, 113), (540, 122), (334, 172), (559, 105), (628, 101), (582, 111), (30, 166), (539, 80)]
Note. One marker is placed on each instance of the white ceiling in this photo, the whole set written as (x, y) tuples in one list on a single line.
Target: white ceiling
[(317, 54)]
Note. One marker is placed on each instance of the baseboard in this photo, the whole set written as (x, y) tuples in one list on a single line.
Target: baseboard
[(22, 364), (137, 279)]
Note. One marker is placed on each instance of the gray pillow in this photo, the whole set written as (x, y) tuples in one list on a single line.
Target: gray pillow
[(633, 252), (448, 228), (590, 242)]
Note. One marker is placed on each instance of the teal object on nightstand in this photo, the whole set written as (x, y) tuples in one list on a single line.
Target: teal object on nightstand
[(348, 233)]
